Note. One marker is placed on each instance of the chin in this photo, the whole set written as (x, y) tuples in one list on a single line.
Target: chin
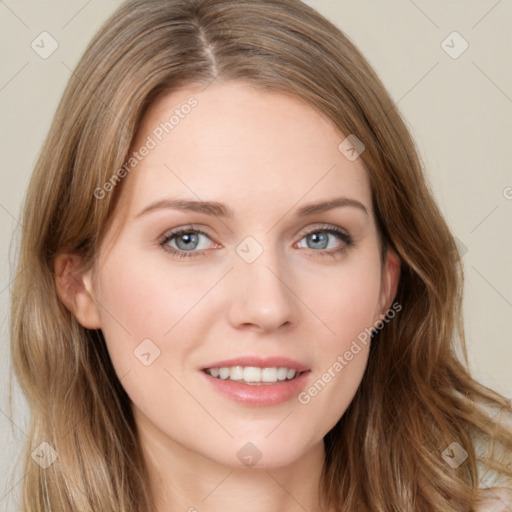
[(261, 452)]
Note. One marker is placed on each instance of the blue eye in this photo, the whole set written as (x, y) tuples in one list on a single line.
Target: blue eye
[(188, 238), (186, 241), (319, 237)]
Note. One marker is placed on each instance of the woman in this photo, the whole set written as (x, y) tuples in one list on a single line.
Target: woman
[(183, 341)]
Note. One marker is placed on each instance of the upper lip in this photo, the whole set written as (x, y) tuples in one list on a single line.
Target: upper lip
[(259, 362)]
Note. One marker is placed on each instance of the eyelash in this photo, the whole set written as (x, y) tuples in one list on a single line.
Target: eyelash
[(342, 235)]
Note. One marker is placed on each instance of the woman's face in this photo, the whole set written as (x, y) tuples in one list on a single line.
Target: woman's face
[(256, 280)]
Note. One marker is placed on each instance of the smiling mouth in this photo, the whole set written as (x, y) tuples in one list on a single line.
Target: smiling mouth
[(254, 375)]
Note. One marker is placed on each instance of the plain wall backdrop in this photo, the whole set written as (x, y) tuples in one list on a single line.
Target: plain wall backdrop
[(446, 64)]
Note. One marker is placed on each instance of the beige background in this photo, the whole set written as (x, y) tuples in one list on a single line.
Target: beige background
[(458, 109)]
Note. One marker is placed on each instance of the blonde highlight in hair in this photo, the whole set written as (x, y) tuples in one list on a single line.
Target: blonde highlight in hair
[(415, 398)]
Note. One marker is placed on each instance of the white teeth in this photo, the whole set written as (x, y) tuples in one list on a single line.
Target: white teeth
[(224, 373), (290, 374), (269, 375), (281, 373), (253, 374), (236, 373)]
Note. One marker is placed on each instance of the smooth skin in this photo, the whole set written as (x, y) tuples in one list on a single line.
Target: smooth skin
[(264, 155)]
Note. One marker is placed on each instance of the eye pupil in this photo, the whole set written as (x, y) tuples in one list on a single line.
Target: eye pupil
[(190, 238), (317, 238)]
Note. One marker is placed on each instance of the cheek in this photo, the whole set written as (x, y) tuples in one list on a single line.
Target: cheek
[(348, 308), (346, 299), (145, 299), (147, 312), (140, 302)]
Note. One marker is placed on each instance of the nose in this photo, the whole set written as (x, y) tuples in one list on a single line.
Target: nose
[(261, 294)]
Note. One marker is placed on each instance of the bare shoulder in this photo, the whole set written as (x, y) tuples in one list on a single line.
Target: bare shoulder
[(494, 499)]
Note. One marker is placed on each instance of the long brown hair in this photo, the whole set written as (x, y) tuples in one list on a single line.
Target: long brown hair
[(416, 397)]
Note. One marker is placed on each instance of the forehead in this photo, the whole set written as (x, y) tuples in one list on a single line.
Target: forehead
[(242, 146)]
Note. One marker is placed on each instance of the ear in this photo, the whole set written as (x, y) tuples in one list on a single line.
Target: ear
[(389, 280), (75, 290)]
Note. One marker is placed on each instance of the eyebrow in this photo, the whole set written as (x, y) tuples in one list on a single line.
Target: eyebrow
[(216, 209)]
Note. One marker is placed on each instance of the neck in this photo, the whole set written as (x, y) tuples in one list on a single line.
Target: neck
[(182, 479)]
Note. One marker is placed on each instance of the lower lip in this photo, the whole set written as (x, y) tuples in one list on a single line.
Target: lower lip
[(262, 395)]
